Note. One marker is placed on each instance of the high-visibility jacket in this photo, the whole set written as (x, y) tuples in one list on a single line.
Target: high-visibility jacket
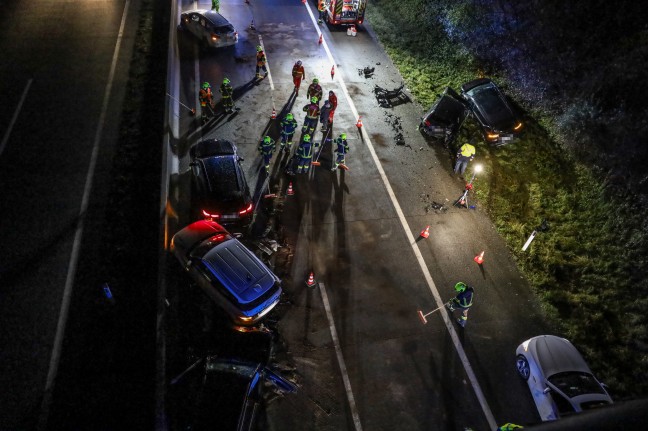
[(205, 96), (266, 147), (305, 150), (261, 58), (467, 150), (342, 145), (314, 90), (312, 111), (226, 90), (288, 126), (298, 71), (333, 99), (509, 427), (464, 299)]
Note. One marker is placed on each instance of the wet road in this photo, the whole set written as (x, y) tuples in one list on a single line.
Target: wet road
[(357, 231)]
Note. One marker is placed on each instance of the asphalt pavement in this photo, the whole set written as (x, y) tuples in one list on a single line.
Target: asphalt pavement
[(357, 231)]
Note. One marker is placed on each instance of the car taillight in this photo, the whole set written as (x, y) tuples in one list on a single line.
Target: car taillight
[(427, 123), (217, 238), (246, 210), (210, 216), (492, 136), (518, 126)]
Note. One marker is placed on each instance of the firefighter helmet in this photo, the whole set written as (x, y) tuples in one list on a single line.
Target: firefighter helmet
[(315, 80), (460, 287), (206, 85), (299, 63), (259, 48), (314, 99), (267, 140), (306, 138), (289, 116), (343, 136), (226, 81)]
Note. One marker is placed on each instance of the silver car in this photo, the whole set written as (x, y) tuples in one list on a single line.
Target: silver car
[(560, 381), (210, 27)]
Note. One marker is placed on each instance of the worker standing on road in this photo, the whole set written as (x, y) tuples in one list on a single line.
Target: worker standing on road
[(216, 5), (312, 114), (314, 90), (322, 11), (261, 62), (333, 99), (227, 92), (305, 154), (206, 107), (465, 154), (266, 148), (509, 427), (325, 115), (340, 151), (462, 301), (288, 127), (298, 74)]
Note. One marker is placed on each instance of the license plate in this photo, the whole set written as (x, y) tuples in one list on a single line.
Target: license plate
[(229, 216)]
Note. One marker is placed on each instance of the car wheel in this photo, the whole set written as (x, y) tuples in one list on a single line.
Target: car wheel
[(522, 366)]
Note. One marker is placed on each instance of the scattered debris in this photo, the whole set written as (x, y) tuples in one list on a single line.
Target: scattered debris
[(367, 71), (432, 205), (390, 98)]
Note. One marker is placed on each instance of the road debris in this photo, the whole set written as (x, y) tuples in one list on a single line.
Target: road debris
[(390, 98), (367, 71)]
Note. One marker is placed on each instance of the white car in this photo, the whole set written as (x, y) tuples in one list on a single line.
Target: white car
[(560, 381), (210, 27)]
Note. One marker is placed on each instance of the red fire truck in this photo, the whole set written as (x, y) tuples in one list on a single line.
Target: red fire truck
[(345, 12)]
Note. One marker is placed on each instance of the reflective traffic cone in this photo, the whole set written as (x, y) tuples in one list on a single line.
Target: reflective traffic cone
[(332, 71), (311, 280), (274, 113), (359, 122), (290, 189), (320, 39), (425, 232), (479, 258), (303, 1)]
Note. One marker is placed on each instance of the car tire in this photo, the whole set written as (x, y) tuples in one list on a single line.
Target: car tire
[(522, 366)]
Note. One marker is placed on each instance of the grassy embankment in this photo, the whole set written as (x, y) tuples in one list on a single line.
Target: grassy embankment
[(584, 268)]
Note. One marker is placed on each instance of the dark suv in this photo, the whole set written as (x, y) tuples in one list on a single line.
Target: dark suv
[(497, 119), (445, 117), (227, 271), (219, 189)]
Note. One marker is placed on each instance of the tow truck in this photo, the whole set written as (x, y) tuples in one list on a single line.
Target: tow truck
[(345, 12)]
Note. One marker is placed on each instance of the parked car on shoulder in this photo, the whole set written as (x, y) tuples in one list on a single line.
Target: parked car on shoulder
[(227, 271), (498, 121), (209, 27), (219, 190), (560, 381), (444, 119)]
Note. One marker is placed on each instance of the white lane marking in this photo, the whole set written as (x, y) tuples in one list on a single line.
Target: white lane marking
[(408, 231), (5, 138), (78, 235), (340, 358)]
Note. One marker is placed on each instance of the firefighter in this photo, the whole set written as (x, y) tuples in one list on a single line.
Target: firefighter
[(266, 148), (322, 11), (341, 150), (325, 115), (305, 154), (298, 74), (227, 92), (333, 99), (465, 154), (314, 90), (462, 301), (205, 95), (312, 114), (288, 127), (216, 5), (509, 427), (261, 62)]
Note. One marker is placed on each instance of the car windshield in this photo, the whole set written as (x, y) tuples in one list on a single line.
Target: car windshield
[(222, 177), (573, 384), (490, 103)]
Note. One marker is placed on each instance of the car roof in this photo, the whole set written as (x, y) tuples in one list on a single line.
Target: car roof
[(557, 355), (214, 17), (212, 147), (492, 106), (245, 276), (223, 178)]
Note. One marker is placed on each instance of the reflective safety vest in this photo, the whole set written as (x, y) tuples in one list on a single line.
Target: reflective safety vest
[(298, 71), (342, 146), (226, 90), (465, 298), (266, 147), (312, 110), (205, 96), (314, 90), (467, 150), (261, 58), (288, 126), (305, 150)]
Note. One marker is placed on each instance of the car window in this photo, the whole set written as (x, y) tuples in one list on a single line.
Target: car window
[(224, 29), (564, 407), (195, 17), (574, 384)]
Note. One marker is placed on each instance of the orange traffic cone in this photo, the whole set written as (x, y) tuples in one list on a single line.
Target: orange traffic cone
[(274, 113), (332, 71), (290, 189), (359, 123), (311, 280), (425, 232), (320, 39), (479, 258), (303, 1)]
